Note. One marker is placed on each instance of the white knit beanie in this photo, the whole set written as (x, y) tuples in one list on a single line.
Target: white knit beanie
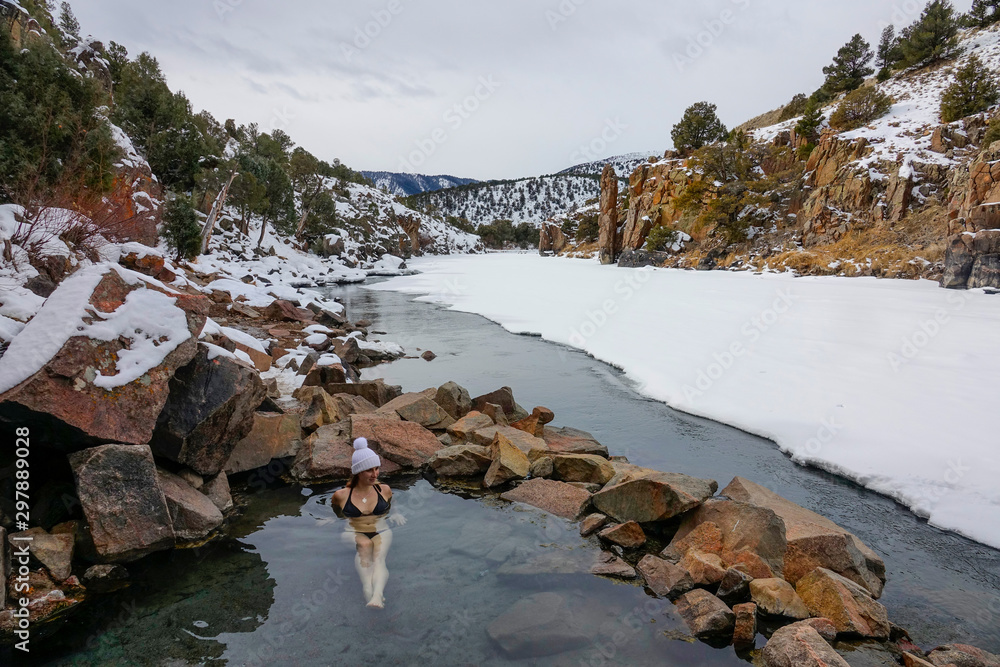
[(363, 458)]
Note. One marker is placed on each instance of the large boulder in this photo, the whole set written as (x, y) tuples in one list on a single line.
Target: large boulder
[(568, 440), (122, 501), (557, 498), (286, 311), (539, 625), (850, 607), (504, 397), (814, 541), (800, 645), (193, 514), (461, 461), (736, 530), (706, 615), (536, 421), (663, 577), (509, 463), (325, 455), (376, 392), (273, 436), (533, 447), (454, 398), (407, 444), (628, 535), (210, 409), (655, 498), (776, 597), (419, 409), (583, 468), (469, 424), (962, 655), (99, 356)]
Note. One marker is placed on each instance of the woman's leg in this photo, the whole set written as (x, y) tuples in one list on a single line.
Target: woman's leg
[(380, 573), (364, 563)]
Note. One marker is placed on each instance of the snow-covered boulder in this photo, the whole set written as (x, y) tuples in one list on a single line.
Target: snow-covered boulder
[(100, 354)]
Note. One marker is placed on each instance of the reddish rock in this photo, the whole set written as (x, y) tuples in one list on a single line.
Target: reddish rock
[(65, 386), (731, 529), (533, 447), (324, 376), (286, 311), (534, 423), (628, 535), (556, 498), (210, 409), (962, 655), (776, 597), (122, 501), (572, 441), (54, 551), (705, 569), (593, 523), (799, 645), (469, 424), (407, 444), (504, 397), (655, 498), (325, 455), (217, 490), (377, 392), (419, 409), (663, 577), (461, 461), (608, 220), (849, 606), (814, 541), (745, 634), (273, 436)]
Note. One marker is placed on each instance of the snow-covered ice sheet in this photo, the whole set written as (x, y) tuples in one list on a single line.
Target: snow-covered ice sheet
[(890, 383)]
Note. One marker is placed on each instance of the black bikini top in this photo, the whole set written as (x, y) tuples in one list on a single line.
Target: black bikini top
[(381, 505)]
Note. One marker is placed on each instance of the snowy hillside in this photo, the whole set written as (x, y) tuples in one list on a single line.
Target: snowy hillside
[(404, 185), (531, 200), (623, 164)]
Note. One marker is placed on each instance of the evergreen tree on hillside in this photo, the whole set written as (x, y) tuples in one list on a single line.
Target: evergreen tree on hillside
[(933, 37), (983, 13), (850, 66), (698, 127), (180, 228), (888, 54), (808, 126), (974, 90), (69, 26)]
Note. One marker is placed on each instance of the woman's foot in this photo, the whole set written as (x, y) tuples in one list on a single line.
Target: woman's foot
[(377, 603)]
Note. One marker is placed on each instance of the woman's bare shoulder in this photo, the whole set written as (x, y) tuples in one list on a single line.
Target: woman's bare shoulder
[(386, 491), (340, 496)]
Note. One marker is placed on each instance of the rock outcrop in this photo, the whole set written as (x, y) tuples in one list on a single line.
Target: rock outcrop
[(656, 497), (608, 221), (800, 645)]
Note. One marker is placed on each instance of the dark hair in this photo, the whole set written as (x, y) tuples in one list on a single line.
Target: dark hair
[(351, 483)]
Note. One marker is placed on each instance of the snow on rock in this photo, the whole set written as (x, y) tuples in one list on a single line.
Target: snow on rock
[(149, 320), (389, 265), (870, 379)]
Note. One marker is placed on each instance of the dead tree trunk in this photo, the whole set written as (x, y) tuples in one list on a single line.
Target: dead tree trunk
[(220, 201)]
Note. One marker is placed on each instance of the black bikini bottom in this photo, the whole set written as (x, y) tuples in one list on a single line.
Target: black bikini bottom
[(371, 536)]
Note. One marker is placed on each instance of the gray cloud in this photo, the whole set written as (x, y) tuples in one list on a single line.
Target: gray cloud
[(368, 80)]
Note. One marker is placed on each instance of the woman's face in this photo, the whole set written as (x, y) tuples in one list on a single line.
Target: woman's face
[(370, 476)]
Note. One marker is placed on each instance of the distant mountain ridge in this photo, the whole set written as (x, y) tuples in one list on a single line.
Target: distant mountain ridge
[(405, 185), (624, 164)]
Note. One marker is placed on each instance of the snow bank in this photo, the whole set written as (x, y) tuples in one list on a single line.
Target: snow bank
[(889, 383)]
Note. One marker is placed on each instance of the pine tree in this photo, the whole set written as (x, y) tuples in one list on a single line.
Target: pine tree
[(850, 66), (983, 13), (69, 26), (933, 37), (974, 90), (888, 54), (699, 126), (181, 229), (808, 126)]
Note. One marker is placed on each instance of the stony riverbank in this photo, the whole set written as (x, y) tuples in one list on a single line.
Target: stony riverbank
[(741, 565)]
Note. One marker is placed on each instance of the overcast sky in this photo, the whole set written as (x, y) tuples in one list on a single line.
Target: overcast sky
[(485, 90)]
